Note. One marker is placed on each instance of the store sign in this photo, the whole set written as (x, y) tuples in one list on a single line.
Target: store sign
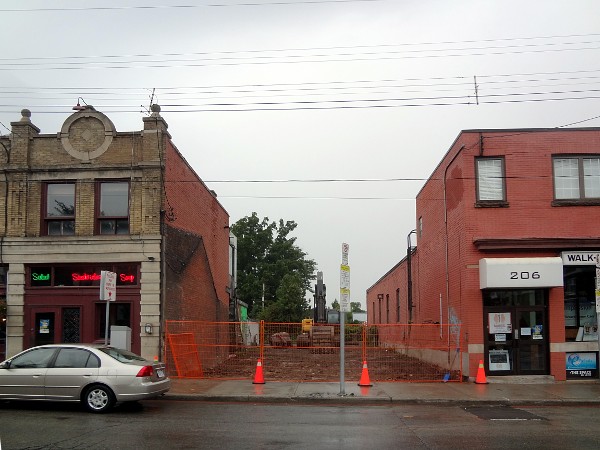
[(580, 258), (582, 365), (123, 277), (520, 272), (41, 277)]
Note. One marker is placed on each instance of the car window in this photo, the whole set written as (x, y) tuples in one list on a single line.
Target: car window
[(75, 358), (36, 358), (121, 355)]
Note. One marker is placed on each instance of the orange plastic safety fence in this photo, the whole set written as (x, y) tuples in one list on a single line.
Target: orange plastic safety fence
[(293, 352), (185, 355)]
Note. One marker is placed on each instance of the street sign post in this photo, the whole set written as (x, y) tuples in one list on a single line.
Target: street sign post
[(108, 292), (344, 308)]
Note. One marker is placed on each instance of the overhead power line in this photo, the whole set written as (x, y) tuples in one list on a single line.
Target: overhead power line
[(310, 54), (208, 5)]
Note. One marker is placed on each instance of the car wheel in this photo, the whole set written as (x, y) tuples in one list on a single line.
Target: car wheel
[(98, 399)]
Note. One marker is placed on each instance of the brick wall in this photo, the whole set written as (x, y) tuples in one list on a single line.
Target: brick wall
[(192, 207)]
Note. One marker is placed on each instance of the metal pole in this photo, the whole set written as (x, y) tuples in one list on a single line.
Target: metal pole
[(342, 358), (106, 327), (409, 275)]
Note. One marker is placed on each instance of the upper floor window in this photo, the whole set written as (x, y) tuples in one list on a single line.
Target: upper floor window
[(490, 180), (576, 178), (59, 209), (113, 207)]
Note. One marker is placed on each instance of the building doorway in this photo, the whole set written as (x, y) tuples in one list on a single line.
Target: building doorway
[(516, 335), (55, 325)]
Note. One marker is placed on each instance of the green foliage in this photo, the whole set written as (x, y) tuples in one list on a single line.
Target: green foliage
[(355, 307), (266, 254), (290, 303)]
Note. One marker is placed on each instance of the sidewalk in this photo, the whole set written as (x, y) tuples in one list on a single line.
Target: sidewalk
[(500, 393)]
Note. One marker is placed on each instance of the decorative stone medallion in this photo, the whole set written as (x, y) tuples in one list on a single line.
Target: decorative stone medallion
[(87, 134)]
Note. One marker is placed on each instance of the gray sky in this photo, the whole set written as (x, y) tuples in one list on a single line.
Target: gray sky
[(309, 90)]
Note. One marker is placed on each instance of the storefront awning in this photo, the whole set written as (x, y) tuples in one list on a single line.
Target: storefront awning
[(520, 272)]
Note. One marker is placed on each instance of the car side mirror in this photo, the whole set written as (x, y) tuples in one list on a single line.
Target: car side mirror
[(5, 365)]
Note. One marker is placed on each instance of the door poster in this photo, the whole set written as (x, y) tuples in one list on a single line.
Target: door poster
[(44, 326), (500, 323), (498, 360)]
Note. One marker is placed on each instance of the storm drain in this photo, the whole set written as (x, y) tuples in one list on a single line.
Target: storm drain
[(501, 413)]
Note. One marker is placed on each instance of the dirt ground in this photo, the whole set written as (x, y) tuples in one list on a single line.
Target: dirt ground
[(323, 364)]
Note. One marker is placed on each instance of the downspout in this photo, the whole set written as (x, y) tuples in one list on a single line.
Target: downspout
[(447, 270), (5, 205)]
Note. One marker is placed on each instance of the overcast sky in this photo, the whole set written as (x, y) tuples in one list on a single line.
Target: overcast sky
[(313, 91)]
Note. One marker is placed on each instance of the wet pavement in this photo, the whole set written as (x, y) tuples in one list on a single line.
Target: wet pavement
[(505, 392)]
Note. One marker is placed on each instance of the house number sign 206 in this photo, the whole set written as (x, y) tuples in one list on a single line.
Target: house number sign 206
[(524, 275)]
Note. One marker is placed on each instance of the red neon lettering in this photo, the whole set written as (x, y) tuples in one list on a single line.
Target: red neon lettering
[(85, 277), (127, 278)]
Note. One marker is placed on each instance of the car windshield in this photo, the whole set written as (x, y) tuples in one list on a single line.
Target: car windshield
[(121, 355)]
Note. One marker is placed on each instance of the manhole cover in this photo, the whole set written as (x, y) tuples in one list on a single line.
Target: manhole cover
[(501, 413)]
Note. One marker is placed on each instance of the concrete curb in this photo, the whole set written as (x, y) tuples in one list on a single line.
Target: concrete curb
[(353, 400)]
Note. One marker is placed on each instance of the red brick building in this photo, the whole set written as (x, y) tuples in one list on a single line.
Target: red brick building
[(91, 199), (508, 236)]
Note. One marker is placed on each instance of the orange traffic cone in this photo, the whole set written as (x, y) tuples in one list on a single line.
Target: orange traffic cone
[(258, 377), (480, 379), (364, 377)]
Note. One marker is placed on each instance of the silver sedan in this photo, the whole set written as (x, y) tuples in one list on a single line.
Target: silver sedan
[(97, 376)]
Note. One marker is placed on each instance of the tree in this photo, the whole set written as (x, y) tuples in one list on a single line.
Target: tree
[(290, 303), (355, 307), (266, 254)]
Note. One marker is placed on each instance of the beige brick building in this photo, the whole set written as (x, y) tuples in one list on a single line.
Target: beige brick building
[(88, 199)]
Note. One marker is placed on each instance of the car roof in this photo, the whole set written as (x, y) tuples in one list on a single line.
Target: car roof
[(63, 345)]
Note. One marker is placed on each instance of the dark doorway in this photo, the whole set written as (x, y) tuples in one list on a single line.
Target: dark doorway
[(44, 326), (516, 334)]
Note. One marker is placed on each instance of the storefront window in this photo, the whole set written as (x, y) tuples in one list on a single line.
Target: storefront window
[(580, 303), (81, 275), (514, 297), (120, 315)]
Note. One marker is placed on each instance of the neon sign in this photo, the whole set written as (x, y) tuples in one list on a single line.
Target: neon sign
[(126, 278), (40, 276), (85, 277), (123, 277), (80, 275)]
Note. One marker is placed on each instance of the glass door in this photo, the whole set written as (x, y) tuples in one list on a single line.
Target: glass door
[(515, 332), (500, 345), (531, 341)]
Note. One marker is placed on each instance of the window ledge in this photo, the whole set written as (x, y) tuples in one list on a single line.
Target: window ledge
[(588, 202), (491, 204)]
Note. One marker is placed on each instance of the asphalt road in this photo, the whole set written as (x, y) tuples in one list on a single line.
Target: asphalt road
[(170, 424)]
